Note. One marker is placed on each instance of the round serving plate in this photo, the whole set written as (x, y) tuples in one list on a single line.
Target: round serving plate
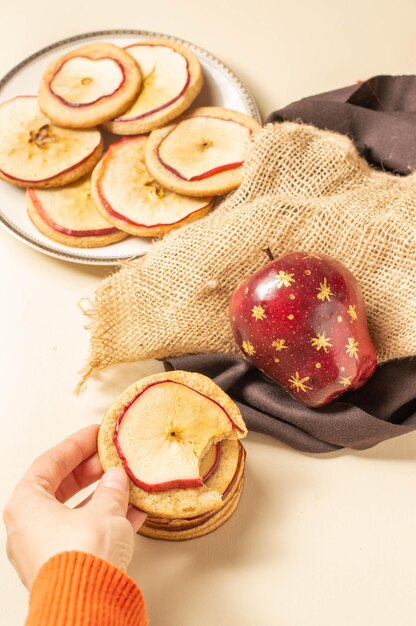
[(222, 88)]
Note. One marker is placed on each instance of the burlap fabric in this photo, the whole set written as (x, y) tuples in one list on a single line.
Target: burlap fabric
[(303, 189)]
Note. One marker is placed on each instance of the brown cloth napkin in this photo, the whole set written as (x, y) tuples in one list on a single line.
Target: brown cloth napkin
[(384, 408), (379, 115)]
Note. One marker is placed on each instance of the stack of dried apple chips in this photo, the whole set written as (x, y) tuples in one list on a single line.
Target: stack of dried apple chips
[(177, 435)]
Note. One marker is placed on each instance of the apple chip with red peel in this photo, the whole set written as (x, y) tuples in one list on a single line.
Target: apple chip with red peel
[(163, 430), (172, 78), (100, 79), (69, 216), (35, 153), (128, 196), (200, 147), (89, 85), (165, 73), (203, 153), (164, 433)]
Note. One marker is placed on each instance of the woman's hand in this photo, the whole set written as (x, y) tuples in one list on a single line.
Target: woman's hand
[(39, 524)]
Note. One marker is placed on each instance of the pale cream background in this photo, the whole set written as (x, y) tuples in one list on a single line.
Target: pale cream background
[(316, 541)]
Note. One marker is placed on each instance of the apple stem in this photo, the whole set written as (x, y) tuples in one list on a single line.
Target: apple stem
[(269, 253)]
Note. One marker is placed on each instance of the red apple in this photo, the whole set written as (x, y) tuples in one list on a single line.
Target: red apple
[(301, 319)]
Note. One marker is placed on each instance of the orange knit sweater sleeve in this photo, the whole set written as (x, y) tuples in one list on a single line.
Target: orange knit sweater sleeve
[(78, 589)]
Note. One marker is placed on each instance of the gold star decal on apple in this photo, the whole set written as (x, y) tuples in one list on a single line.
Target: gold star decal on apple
[(324, 291), (258, 313), (311, 255), (352, 312), (279, 344), (321, 342), (284, 279), (298, 383), (345, 380), (352, 348), (248, 348)]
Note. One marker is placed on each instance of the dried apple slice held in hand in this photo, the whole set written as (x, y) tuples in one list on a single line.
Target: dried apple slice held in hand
[(165, 432), (127, 195), (172, 78), (69, 216), (203, 153), (161, 429), (34, 153), (89, 85)]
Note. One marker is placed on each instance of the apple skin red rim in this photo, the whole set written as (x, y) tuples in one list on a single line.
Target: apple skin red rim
[(122, 119), (122, 217), (84, 257), (168, 485), (204, 175), (61, 229), (87, 104), (241, 454), (215, 464)]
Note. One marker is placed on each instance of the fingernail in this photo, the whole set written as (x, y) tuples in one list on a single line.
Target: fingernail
[(115, 478)]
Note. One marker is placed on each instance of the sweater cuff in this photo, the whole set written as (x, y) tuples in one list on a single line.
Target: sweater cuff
[(79, 589)]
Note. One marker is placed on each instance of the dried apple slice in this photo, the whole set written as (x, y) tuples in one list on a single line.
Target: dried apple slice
[(200, 147), (89, 85), (34, 153), (69, 216), (101, 78), (203, 153), (159, 429), (172, 78), (165, 431), (128, 196)]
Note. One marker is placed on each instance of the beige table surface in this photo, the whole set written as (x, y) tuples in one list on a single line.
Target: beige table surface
[(316, 541)]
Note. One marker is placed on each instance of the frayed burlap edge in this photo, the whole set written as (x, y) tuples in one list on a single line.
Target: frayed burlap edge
[(302, 188)]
